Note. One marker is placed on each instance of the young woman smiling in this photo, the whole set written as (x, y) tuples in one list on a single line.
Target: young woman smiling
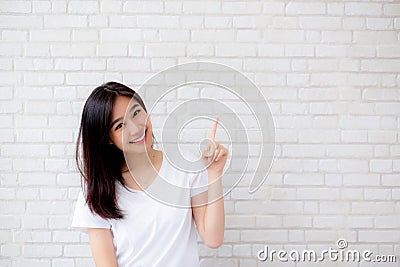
[(125, 226)]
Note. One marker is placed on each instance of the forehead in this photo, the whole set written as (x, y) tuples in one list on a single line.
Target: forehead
[(120, 106)]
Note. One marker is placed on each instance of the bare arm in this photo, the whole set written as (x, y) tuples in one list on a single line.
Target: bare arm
[(102, 247), (208, 207), (210, 217)]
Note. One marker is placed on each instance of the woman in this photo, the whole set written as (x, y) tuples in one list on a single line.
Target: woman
[(127, 227)]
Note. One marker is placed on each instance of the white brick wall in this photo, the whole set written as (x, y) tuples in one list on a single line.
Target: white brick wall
[(330, 71)]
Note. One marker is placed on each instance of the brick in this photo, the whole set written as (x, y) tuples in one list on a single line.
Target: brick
[(391, 9), (14, 35), (328, 221), (335, 8), (41, 7), (242, 250), (326, 23), (354, 23), (336, 36), (20, 22), (295, 8), (386, 137), (377, 194), (361, 179), (10, 107), (7, 193), (122, 35), (39, 79), (353, 165), (246, 36), (10, 250), (369, 9), (359, 221), (67, 21), (241, 7), (380, 165), (24, 150), (264, 235), (385, 65), (45, 251), (89, 7), (381, 151), (368, 207), (283, 36), (379, 23), (128, 64), (318, 193), (9, 78), (77, 251), (332, 79), (189, 21), (318, 136), (143, 7), (219, 22), (302, 150), (16, 7), (13, 207), (157, 21), (57, 135), (209, 7), (372, 37), (297, 221), (390, 180), (200, 50), (9, 222), (334, 207), (34, 262), (378, 236), (84, 78), (98, 21), (331, 50), (320, 235), (235, 49), (164, 50), (304, 179)]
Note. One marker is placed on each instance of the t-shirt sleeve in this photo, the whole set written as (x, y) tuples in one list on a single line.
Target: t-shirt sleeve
[(199, 183), (84, 218)]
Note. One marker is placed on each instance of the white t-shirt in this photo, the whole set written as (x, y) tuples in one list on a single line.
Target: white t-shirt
[(152, 233)]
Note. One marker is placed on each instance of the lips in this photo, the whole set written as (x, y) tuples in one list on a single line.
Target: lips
[(140, 139)]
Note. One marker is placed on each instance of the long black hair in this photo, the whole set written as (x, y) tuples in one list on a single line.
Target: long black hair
[(100, 162)]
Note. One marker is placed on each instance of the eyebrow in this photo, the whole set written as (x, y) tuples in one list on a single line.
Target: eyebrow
[(120, 118)]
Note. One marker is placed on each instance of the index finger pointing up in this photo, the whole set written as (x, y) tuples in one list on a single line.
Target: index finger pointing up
[(214, 129)]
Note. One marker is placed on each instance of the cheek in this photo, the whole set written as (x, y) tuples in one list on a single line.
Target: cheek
[(148, 122), (116, 137), (119, 136), (111, 136)]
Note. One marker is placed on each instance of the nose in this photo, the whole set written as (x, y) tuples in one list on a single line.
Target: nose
[(133, 130)]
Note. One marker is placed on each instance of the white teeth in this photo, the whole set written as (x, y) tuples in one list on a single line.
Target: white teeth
[(139, 139)]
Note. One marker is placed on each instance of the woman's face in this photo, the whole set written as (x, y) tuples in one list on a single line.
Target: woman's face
[(130, 129)]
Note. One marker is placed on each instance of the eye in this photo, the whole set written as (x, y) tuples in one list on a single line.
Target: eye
[(136, 112), (119, 126)]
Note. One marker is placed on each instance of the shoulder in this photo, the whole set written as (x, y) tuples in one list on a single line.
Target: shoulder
[(84, 218)]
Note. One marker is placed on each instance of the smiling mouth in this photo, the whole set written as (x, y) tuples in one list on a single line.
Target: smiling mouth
[(140, 139)]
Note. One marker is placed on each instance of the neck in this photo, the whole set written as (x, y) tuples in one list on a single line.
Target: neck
[(140, 161)]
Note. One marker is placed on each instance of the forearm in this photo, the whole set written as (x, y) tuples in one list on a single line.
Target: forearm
[(214, 218)]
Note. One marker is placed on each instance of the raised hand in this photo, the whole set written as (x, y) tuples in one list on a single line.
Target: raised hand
[(215, 155)]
